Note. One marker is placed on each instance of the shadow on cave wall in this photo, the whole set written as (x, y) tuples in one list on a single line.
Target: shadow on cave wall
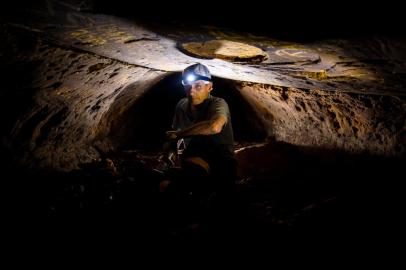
[(247, 125), (143, 125)]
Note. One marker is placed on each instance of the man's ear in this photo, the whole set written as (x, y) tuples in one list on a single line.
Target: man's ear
[(211, 86)]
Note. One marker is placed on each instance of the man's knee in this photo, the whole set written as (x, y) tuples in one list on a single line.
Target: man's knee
[(196, 163)]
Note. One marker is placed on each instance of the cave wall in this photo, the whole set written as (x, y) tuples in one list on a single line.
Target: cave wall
[(356, 123), (71, 102), (138, 122)]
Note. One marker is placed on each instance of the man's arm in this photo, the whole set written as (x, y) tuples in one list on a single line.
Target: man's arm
[(209, 127)]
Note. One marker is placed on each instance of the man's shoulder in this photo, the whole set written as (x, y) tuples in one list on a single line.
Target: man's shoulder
[(218, 101)]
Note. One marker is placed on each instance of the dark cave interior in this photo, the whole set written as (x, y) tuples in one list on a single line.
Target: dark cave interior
[(283, 189), (298, 20), (295, 193)]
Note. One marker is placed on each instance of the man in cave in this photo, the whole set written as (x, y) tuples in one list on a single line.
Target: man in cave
[(202, 126)]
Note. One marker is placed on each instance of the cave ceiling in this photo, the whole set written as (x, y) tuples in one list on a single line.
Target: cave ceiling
[(373, 66)]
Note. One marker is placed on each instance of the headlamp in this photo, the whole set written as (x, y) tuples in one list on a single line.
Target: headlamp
[(190, 78)]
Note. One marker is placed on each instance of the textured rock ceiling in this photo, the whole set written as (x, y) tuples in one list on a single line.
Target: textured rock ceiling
[(372, 66)]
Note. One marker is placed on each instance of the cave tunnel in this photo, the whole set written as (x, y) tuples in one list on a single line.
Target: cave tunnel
[(143, 125)]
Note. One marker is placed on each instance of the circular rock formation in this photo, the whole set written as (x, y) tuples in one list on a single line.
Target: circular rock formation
[(226, 50)]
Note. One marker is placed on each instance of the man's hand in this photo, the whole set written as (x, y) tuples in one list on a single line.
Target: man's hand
[(171, 140), (171, 135)]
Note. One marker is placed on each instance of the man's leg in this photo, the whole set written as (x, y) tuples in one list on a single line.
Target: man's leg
[(196, 175)]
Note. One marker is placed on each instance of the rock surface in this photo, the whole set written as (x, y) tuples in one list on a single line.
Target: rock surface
[(225, 49), (92, 74)]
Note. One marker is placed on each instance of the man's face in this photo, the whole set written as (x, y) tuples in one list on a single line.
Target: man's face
[(198, 91)]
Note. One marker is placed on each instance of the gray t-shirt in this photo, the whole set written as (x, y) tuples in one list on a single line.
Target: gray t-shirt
[(215, 146)]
